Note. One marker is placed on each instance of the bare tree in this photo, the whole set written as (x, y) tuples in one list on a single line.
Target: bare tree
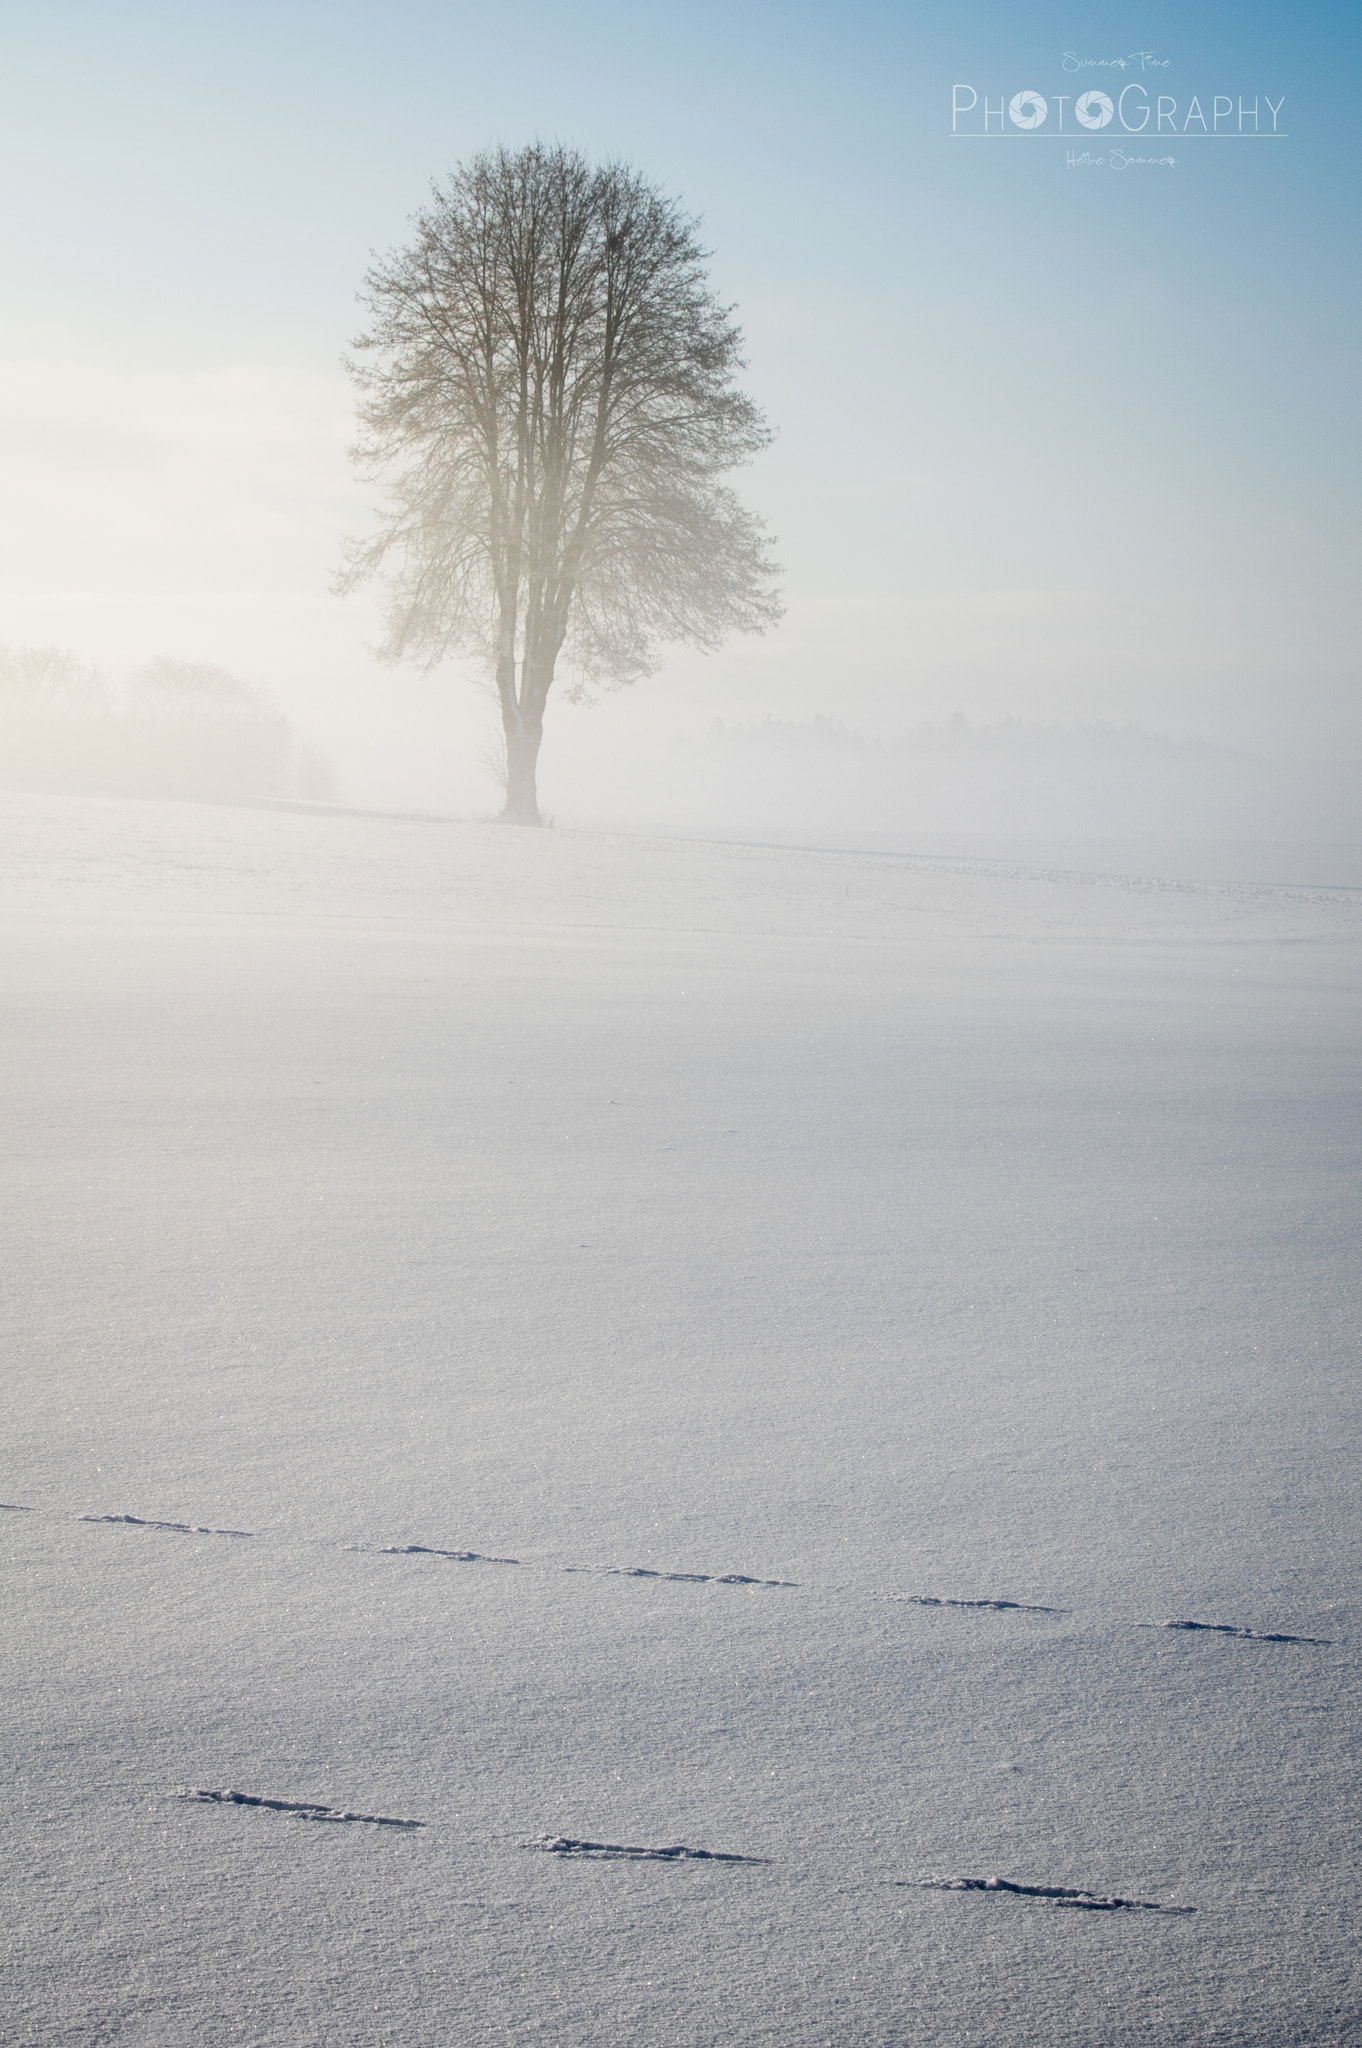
[(547, 389)]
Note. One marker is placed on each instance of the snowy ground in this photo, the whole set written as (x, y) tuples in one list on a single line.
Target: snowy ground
[(910, 1230)]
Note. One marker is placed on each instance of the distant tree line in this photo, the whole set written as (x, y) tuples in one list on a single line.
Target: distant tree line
[(171, 728)]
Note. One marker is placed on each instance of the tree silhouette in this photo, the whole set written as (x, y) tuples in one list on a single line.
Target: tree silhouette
[(547, 390)]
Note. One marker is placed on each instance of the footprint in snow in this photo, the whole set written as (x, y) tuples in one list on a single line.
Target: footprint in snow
[(298, 1809), (639, 1571), (994, 1606), (1057, 1894), (1249, 1635), (179, 1528), (427, 1550), (568, 1845)]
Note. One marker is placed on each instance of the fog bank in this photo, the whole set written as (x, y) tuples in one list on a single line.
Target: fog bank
[(824, 779), (171, 728)]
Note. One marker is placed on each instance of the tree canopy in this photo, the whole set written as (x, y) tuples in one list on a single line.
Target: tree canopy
[(547, 390)]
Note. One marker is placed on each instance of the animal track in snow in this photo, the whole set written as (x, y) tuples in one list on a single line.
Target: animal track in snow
[(180, 1528), (483, 1557), (1057, 1894), (638, 1571), (567, 1845), (426, 1550), (1251, 1635), (300, 1809), (994, 1606), (927, 1600)]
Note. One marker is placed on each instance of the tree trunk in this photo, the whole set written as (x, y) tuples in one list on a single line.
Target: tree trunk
[(522, 720), (523, 735)]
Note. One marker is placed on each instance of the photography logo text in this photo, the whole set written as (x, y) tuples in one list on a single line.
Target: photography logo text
[(1133, 103)]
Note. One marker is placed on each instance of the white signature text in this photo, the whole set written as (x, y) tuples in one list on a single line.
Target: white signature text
[(1138, 60), (1078, 160)]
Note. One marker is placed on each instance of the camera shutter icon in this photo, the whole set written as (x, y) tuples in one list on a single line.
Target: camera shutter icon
[(1094, 110), (1028, 110)]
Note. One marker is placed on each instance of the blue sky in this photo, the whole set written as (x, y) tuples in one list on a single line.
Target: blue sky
[(1055, 442)]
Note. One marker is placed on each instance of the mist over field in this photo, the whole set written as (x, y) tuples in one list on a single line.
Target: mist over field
[(176, 729), (696, 1384), (1082, 780), (173, 728)]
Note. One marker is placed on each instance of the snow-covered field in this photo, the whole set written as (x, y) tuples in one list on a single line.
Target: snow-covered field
[(968, 1248)]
